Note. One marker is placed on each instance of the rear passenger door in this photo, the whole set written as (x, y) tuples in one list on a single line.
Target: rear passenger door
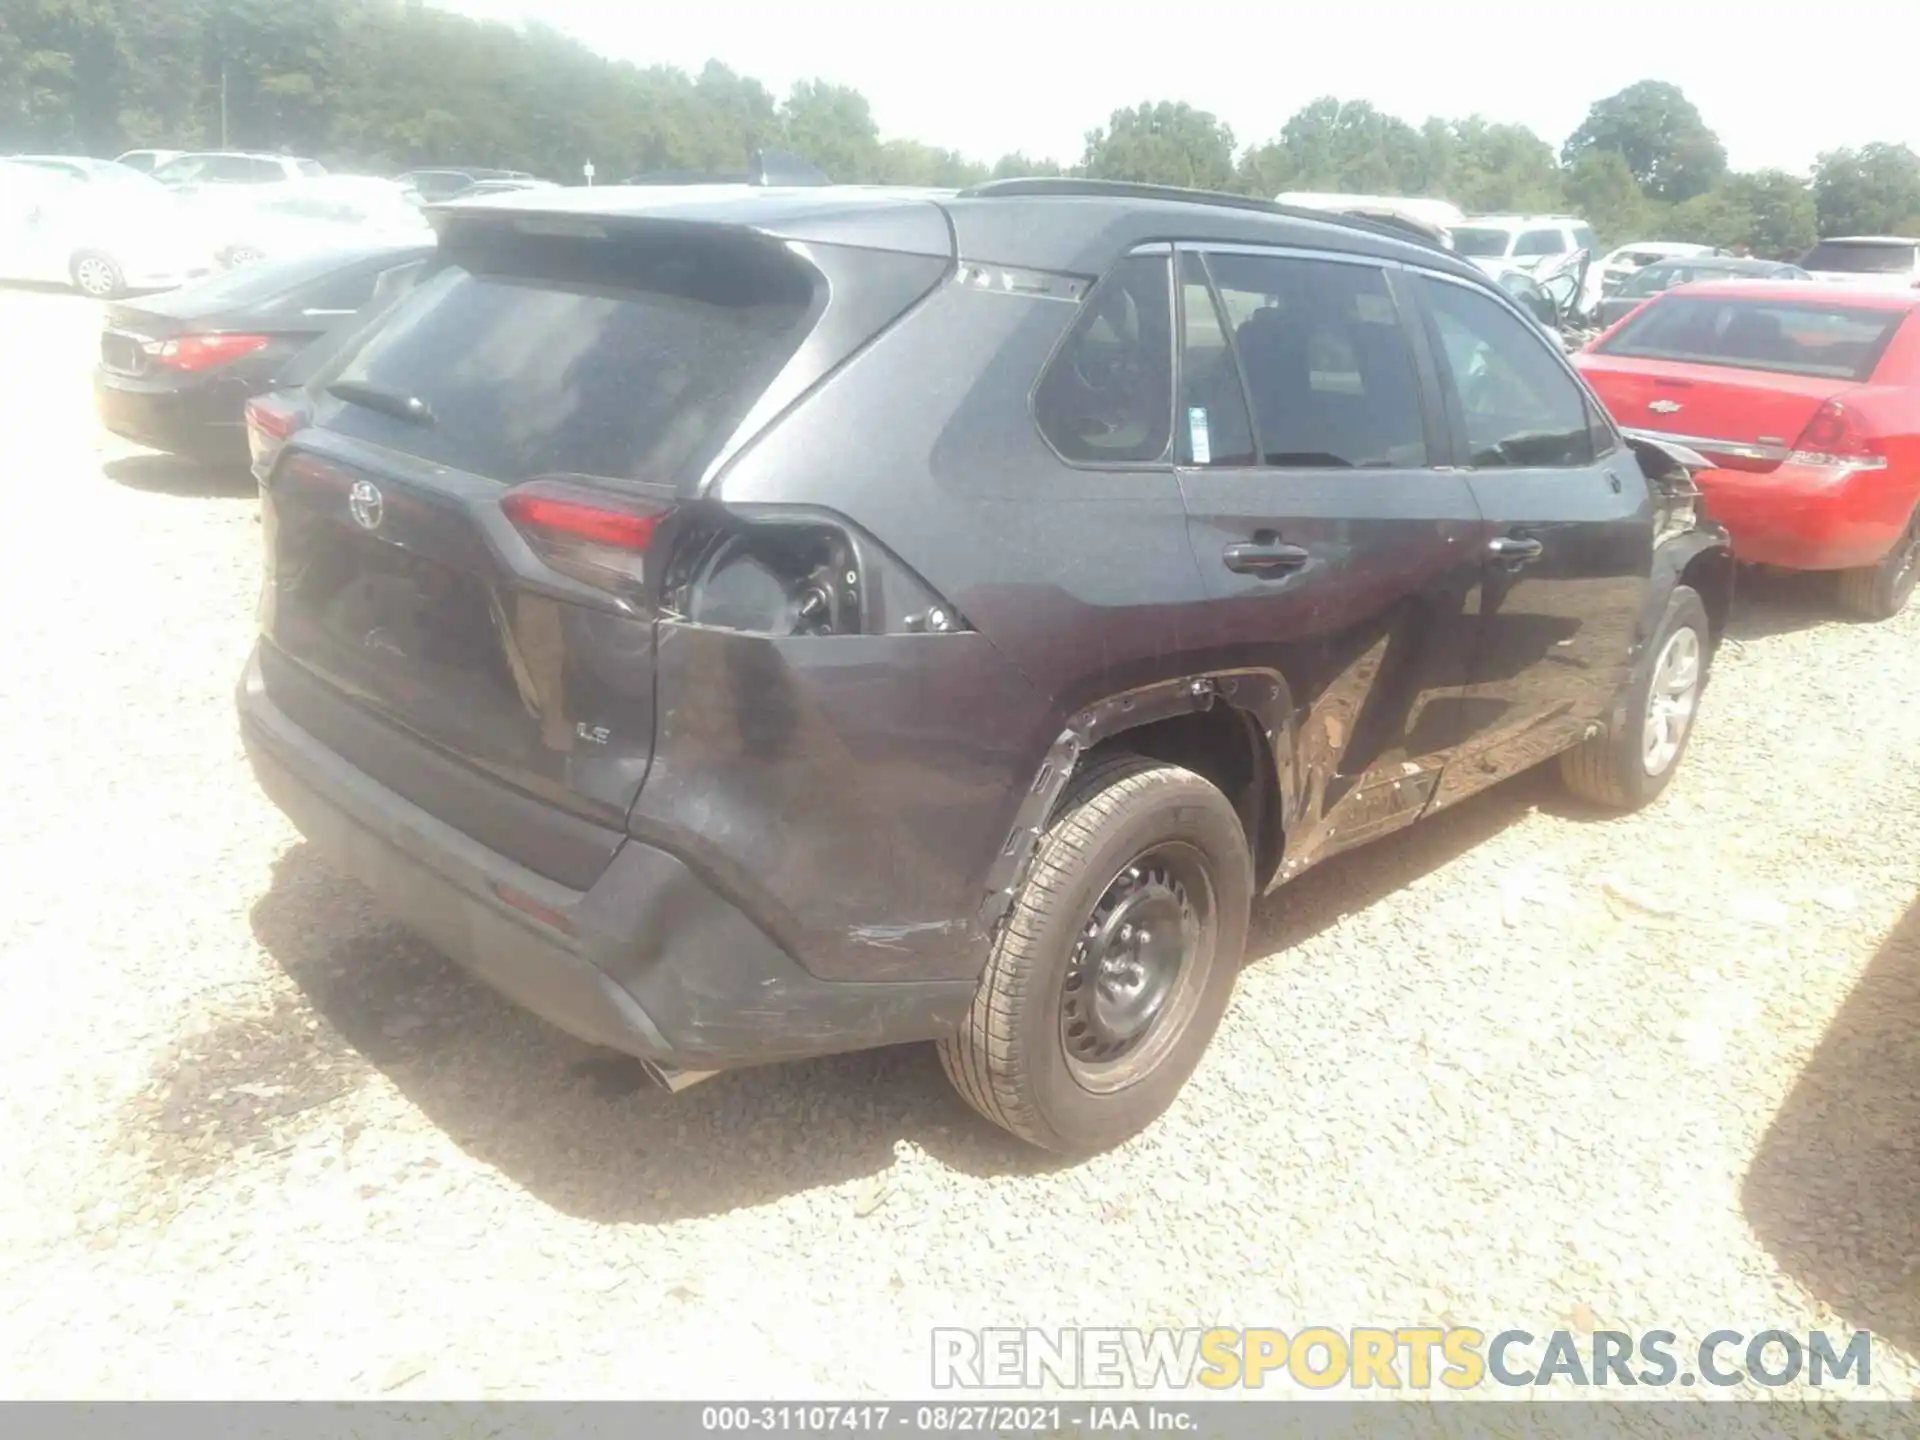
[(1336, 546), (1568, 555)]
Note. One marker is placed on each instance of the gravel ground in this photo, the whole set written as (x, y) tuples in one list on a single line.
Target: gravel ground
[(1515, 1068)]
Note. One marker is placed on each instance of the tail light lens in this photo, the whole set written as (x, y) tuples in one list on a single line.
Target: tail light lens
[(598, 538), (190, 353), (1835, 438)]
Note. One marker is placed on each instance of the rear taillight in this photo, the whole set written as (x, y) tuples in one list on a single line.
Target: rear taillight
[(599, 538), (1834, 438), (191, 353)]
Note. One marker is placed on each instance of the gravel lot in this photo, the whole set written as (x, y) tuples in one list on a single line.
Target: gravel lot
[(1517, 1067)]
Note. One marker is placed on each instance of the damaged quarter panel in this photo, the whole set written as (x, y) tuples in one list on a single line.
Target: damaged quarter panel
[(1073, 582), (848, 787)]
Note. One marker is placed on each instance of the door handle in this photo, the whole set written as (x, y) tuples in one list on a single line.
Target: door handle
[(1515, 550), (1263, 558)]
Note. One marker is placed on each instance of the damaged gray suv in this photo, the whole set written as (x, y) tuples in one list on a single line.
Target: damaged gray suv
[(742, 626)]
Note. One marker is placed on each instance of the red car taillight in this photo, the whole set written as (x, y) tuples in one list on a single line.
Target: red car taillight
[(600, 539), (190, 353), (1835, 438)]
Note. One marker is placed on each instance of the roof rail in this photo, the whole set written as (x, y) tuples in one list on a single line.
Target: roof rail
[(1130, 190)]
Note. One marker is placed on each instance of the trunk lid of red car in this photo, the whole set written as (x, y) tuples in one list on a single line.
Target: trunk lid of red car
[(1751, 417)]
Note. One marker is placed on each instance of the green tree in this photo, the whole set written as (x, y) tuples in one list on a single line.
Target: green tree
[(832, 127), (1162, 144), (1018, 165), (1492, 167), (1660, 134), (1333, 144), (1603, 191), (1874, 190)]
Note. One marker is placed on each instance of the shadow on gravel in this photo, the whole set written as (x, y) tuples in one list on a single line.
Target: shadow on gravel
[(1361, 878), (581, 1127), (1834, 1192), (578, 1126), (175, 475), (1779, 602)]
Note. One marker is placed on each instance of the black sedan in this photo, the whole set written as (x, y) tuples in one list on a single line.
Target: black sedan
[(177, 369), (1648, 282)]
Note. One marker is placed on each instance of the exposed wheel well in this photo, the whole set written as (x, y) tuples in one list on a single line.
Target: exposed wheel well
[(1226, 746), (1711, 574)]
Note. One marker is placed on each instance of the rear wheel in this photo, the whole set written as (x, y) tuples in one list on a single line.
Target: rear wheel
[(96, 275), (1112, 970), (1880, 592), (1629, 768)]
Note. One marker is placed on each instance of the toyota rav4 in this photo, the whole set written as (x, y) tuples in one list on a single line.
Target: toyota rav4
[(748, 625)]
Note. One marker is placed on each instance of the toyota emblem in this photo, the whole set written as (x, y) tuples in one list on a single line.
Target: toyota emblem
[(365, 504)]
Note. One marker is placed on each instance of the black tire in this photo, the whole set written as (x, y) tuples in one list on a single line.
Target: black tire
[(1880, 592), (97, 276), (1011, 1060), (1612, 770)]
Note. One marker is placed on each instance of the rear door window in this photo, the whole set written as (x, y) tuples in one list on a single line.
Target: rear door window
[(1518, 406), (1213, 425), (1793, 338), (1852, 258), (1480, 242), (1325, 360), (1107, 395), (1541, 242), (546, 355)]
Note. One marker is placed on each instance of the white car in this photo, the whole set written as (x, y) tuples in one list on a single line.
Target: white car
[(103, 240), (1499, 243), (303, 217), (147, 161), (199, 170), (1623, 264), (1886, 262)]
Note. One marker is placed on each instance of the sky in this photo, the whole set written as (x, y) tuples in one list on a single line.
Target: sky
[(988, 77)]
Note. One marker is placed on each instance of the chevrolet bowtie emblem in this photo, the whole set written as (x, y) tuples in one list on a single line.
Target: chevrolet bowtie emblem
[(1664, 407)]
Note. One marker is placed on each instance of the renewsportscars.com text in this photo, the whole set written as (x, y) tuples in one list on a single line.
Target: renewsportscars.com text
[(1406, 1358)]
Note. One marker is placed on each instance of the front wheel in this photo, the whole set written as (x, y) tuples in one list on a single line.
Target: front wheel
[(1880, 592), (1628, 768), (97, 276), (1115, 964)]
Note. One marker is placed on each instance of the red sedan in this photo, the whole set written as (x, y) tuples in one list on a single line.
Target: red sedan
[(1808, 398)]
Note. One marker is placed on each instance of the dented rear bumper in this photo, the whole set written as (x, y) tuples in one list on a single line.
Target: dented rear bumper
[(651, 959)]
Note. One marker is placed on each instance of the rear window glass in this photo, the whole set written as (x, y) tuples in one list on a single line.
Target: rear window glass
[(551, 355), (1480, 243), (1840, 343), (1838, 255)]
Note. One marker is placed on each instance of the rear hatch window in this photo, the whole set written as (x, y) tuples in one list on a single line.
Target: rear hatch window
[(550, 356), (1842, 257), (1825, 341)]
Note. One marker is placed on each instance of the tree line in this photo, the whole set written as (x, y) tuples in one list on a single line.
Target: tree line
[(386, 84)]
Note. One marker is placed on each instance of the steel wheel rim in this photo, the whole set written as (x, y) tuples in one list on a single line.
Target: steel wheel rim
[(1138, 967), (1671, 700), (94, 276)]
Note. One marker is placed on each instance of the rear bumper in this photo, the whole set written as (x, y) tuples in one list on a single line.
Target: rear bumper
[(1803, 517), (205, 420), (650, 960)]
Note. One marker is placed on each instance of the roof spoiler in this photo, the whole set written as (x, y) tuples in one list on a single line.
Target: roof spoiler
[(770, 168)]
